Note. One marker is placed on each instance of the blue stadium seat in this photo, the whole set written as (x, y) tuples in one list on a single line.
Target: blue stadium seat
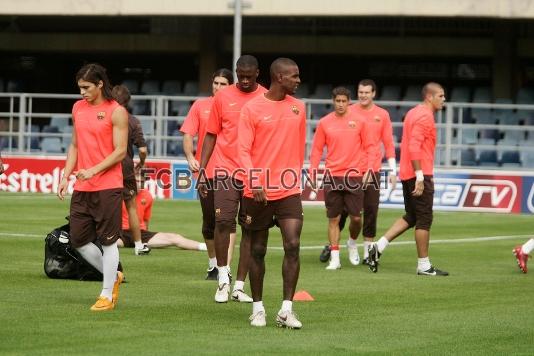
[(60, 122), (413, 93), (469, 136), (488, 158), (483, 116), (468, 157), (490, 133), (513, 136), (527, 158), (510, 159), (460, 95), (390, 92), (51, 145), (132, 85), (150, 87), (191, 88), (322, 91), (171, 87), (482, 95)]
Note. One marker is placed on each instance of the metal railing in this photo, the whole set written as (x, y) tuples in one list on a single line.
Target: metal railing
[(24, 128)]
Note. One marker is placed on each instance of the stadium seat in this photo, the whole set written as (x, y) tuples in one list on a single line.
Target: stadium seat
[(490, 133), (320, 110), (150, 87), (460, 95), (513, 136), (50, 129), (483, 116), (469, 136), (60, 122), (139, 107), (132, 85), (510, 159), (501, 114), (303, 90), (191, 88), (390, 92), (482, 95), (171, 87), (14, 86), (322, 91), (525, 96), (51, 145), (527, 158), (148, 126), (488, 158), (468, 157), (413, 93)]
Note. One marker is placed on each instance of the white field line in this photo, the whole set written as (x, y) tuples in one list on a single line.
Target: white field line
[(453, 241)]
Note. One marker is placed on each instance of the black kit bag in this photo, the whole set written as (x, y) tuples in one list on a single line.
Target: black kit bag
[(64, 262)]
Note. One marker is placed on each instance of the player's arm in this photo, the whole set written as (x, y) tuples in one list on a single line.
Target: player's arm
[(190, 129), (319, 140), (70, 163), (254, 180), (194, 165), (369, 149), (389, 147), (416, 143), (119, 119), (140, 143)]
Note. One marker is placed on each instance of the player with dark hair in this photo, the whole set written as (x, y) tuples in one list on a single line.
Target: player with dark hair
[(272, 139), (98, 146), (348, 153), (195, 125), (220, 145), (416, 173), (135, 137), (380, 134)]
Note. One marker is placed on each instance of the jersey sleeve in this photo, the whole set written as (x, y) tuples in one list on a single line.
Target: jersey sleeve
[(247, 133), (192, 120), (417, 137), (319, 140), (215, 120)]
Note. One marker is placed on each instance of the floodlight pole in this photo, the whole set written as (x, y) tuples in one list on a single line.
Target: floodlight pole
[(237, 34)]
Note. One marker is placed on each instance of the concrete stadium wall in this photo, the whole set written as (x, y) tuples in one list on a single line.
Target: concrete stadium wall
[(513, 9)]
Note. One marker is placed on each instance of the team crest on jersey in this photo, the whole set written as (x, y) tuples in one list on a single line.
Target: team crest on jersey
[(143, 201), (248, 220), (377, 118), (352, 124), (101, 115), (295, 109)]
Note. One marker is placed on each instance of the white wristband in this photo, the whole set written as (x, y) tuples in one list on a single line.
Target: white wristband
[(392, 166), (419, 177)]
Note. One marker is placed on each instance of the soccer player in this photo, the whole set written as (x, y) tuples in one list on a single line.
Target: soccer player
[(521, 253), (416, 173), (220, 145), (381, 133), (195, 125), (135, 137), (348, 153), (272, 138), (143, 202), (98, 146)]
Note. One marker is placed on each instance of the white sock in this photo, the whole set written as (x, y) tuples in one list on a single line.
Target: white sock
[(110, 261), (139, 245), (423, 264), (528, 246), (92, 254), (212, 262), (223, 275), (351, 242), (334, 256), (257, 307), (287, 305), (202, 246), (382, 243), (239, 285), (366, 245)]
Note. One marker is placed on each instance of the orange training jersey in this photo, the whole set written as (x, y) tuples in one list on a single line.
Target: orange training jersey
[(224, 122), (94, 138), (195, 124), (143, 202), (272, 139), (348, 148), (380, 130), (418, 142)]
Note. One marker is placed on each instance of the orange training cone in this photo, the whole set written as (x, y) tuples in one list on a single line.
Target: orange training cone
[(302, 296)]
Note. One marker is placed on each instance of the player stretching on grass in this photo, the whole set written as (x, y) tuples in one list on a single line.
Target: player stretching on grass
[(521, 254), (98, 146), (272, 138), (416, 173)]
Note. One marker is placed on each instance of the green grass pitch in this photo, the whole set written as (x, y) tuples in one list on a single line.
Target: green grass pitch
[(483, 307)]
